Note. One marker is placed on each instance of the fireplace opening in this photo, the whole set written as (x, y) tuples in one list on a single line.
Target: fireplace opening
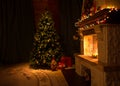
[(90, 45), (86, 73)]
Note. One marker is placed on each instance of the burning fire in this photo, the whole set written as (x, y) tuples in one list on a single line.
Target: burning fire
[(91, 45)]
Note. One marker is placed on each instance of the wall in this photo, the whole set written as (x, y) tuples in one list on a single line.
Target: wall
[(40, 5)]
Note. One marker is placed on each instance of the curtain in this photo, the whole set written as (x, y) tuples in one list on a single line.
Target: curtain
[(70, 12), (16, 30)]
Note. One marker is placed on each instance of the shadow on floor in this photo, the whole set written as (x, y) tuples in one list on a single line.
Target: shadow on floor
[(74, 79)]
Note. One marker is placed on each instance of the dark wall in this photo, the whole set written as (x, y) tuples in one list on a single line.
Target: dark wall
[(16, 30), (70, 12), (51, 5)]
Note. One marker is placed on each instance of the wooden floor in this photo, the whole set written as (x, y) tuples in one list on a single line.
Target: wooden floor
[(74, 79)]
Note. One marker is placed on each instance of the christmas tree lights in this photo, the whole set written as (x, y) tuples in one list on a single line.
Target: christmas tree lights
[(46, 43)]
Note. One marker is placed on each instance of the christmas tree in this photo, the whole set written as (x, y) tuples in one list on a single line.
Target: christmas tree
[(46, 44)]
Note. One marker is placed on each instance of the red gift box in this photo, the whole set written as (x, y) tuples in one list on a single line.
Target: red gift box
[(67, 61)]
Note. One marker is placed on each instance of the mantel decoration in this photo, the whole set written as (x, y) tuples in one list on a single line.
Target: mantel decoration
[(108, 15)]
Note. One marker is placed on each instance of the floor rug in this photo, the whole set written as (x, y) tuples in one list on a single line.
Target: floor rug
[(22, 75)]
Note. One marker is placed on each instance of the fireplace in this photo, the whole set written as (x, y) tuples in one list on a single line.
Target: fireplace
[(100, 48), (102, 55)]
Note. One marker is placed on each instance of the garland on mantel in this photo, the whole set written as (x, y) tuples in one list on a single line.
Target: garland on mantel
[(103, 16), (100, 17)]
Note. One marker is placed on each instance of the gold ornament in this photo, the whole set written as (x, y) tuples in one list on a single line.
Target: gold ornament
[(53, 64), (44, 61)]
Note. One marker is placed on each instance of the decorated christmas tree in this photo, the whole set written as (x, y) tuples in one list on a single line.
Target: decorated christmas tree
[(46, 44)]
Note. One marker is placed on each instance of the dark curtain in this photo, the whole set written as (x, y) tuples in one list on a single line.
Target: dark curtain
[(70, 12), (16, 30)]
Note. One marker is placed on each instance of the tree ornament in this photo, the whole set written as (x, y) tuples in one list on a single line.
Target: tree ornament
[(53, 64), (44, 61)]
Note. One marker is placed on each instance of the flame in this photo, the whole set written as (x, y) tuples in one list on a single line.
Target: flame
[(90, 45)]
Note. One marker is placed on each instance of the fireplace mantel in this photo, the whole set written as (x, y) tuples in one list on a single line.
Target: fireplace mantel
[(92, 19), (104, 16)]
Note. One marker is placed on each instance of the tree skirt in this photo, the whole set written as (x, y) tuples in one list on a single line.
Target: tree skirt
[(22, 75)]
